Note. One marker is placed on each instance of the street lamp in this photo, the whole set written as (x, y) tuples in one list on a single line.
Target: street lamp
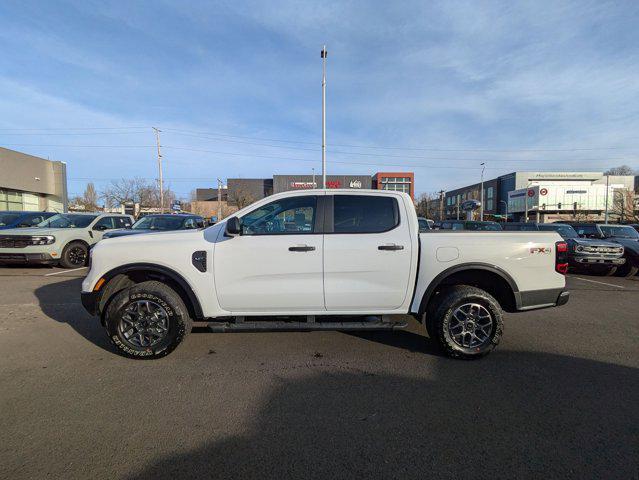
[(505, 203), (481, 205)]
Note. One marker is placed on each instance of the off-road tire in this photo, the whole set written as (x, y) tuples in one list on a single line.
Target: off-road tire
[(179, 321), (69, 252), (611, 271), (627, 270), (440, 312)]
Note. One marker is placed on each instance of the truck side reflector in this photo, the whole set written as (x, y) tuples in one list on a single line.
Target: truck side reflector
[(98, 285)]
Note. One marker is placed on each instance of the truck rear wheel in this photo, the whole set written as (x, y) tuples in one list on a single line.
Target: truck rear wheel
[(465, 322), (148, 320)]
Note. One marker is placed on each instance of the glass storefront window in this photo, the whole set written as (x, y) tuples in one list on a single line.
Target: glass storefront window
[(10, 200)]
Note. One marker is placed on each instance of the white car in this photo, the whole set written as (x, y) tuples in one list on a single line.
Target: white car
[(63, 239), (321, 257)]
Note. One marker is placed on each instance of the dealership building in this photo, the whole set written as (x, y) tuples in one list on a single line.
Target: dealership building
[(543, 196), (240, 192), (32, 183)]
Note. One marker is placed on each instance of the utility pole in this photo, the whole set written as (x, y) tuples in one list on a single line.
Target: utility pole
[(313, 170), (481, 204), (441, 204), (157, 139), (324, 54), (526, 200), (457, 207), (607, 190), (219, 199)]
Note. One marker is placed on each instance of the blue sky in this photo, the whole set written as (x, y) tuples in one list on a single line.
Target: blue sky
[(433, 87)]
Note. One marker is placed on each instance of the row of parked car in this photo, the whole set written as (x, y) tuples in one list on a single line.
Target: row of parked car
[(65, 238), (598, 249)]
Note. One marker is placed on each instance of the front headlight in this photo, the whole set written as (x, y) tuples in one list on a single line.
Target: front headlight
[(43, 240)]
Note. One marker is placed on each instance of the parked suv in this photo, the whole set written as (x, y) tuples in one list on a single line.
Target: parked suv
[(63, 239), (20, 219), (592, 255), (159, 223), (469, 225), (620, 234)]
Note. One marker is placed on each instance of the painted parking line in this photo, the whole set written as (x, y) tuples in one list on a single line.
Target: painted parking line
[(64, 271), (600, 283)]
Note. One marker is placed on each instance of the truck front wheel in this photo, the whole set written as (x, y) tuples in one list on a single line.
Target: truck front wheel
[(147, 320), (465, 322)]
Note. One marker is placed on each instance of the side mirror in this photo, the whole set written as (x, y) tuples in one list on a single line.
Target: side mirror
[(233, 227), (100, 228)]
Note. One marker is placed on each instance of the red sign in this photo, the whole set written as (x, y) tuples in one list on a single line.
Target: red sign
[(543, 191), (333, 184), (531, 193)]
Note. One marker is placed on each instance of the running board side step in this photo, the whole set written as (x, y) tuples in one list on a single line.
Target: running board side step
[(279, 326)]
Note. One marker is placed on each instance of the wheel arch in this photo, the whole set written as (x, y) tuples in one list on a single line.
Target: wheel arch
[(126, 275), (75, 240), (490, 278)]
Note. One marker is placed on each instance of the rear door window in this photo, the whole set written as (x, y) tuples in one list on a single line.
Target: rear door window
[(364, 214)]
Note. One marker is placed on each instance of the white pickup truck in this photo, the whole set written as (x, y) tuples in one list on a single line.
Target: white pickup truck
[(321, 260)]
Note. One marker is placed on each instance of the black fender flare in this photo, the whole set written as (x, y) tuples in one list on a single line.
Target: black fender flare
[(432, 287), (160, 270)]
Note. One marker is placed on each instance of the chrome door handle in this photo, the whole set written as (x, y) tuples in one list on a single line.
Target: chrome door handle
[(391, 247), (301, 248)]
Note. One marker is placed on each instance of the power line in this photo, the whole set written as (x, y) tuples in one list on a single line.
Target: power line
[(207, 135), (429, 148), (477, 159)]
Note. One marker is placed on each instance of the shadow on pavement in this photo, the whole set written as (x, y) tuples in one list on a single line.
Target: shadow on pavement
[(511, 415), (411, 341), (60, 301)]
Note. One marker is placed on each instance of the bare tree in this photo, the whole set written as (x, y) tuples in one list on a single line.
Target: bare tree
[(88, 201), (625, 207), (620, 170), (90, 197), (241, 198), (428, 205), (136, 190)]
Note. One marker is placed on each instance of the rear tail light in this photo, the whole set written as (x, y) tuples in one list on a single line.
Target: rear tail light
[(561, 257)]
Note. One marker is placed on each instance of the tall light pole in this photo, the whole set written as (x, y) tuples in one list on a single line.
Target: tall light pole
[(313, 170), (324, 54), (157, 139), (506, 203), (607, 190), (481, 205)]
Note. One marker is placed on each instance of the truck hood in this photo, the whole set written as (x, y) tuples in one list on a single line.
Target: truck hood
[(122, 232), (592, 242), (133, 237), (32, 231), (630, 244)]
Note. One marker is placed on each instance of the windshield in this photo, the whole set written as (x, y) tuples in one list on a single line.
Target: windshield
[(158, 223), (8, 218), (566, 231), (619, 231), (68, 220)]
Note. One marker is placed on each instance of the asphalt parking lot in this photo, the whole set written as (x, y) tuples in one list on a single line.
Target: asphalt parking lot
[(557, 399)]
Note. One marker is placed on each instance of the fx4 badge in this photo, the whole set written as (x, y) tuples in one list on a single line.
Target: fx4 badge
[(541, 250)]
